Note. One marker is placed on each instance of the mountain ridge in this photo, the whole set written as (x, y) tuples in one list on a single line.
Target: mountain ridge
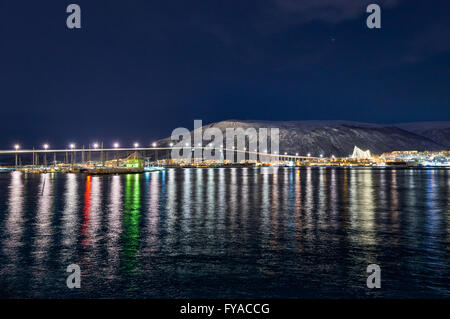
[(339, 137)]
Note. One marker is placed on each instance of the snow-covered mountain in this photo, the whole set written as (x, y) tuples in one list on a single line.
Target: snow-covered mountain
[(339, 137), (436, 131)]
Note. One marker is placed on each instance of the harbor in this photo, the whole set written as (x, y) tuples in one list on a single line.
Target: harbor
[(103, 161)]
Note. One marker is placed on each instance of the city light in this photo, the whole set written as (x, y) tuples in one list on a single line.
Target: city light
[(410, 158)]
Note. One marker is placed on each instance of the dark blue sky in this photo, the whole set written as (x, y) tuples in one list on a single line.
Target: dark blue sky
[(138, 69)]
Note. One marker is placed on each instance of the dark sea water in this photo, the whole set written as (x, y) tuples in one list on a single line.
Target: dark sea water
[(227, 232)]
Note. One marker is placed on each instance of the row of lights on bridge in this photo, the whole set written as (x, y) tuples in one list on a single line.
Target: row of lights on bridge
[(136, 145), (95, 146)]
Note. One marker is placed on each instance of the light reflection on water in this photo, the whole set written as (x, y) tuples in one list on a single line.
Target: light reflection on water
[(14, 228), (44, 232), (239, 232)]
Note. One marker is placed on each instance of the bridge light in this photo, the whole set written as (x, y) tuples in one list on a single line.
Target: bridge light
[(187, 144), (296, 154), (116, 145), (285, 153), (95, 145), (309, 154), (171, 144), (45, 146), (136, 145), (72, 146), (199, 144), (321, 155), (154, 144), (265, 151), (210, 145), (16, 147)]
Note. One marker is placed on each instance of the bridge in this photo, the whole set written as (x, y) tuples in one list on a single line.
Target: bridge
[(147, 152)]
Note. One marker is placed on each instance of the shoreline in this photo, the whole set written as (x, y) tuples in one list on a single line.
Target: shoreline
[(161, 169)]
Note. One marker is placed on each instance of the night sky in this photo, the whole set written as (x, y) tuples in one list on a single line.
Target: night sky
[(138, 69)]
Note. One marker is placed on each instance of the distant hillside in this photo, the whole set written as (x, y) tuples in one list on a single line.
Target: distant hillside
[(436, 131), (339, 137)]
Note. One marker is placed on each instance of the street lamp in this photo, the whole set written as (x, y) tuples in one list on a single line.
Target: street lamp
[(45, 155), (116, 145), (16, 147), (95, 146), (72, 155)]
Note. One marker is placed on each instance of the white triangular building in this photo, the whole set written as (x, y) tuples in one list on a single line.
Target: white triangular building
[(360, 154)]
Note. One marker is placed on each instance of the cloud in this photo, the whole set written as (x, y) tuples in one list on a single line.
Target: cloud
[(266, 17), (432, 40), (330, 11)]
